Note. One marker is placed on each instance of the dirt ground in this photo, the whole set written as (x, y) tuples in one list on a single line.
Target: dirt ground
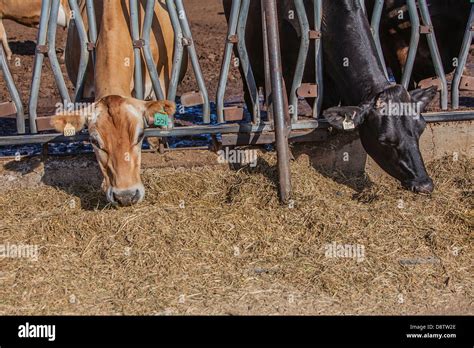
[(214, 240)]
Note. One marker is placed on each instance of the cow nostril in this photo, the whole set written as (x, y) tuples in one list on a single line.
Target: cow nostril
[(136, 197)]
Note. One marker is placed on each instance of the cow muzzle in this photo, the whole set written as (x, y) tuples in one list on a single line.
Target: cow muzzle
[(126, 197), (423, 187)]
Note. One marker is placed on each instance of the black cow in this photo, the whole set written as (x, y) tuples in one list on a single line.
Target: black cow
[(356, 95), (449, 18)]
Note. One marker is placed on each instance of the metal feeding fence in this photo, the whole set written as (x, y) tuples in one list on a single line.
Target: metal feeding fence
[(272, 129)]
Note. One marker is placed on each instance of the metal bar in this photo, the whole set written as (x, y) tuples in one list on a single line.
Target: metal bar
[(38, 64), (158, 132), (375, 27), (462, 60), (53, 58), (20, 114), (281, 129), (135, 31), (432, 117), (226, 60), (178, 50), (414, 41), (84, 58), (266, 67), (435, 55), (302, 56), (155, 78), (245, 62), (91, 21), (318, 17), (194, 59)]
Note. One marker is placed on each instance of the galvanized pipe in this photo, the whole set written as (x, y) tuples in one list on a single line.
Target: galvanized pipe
[(302, 56), (20, 114), (318, 17), (281, 129), (38, 64), (155, 78), (375, 28), (194, 59), (226, 60), (462, 60), (178, 50), (266, 66), (434, 50), (84, 55), (414, 40), (245, 62), (135, 31), (53, 58), (91, 21)]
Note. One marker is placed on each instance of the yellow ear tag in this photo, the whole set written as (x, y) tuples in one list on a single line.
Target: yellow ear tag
[(69, 130)]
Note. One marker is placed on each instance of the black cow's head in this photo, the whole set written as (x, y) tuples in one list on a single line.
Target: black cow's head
[(390, 126)]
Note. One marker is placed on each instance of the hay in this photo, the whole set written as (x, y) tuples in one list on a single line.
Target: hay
[(214, 241)]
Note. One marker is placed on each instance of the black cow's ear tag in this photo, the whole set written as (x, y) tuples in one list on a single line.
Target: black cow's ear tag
[(348, 123)]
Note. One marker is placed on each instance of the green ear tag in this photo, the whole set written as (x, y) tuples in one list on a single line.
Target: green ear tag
[(160, 119)]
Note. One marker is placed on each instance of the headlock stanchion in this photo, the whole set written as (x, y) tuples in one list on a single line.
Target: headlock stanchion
[(309, 90), (236, 36), (417, 28), (46, 45), (273, 130)]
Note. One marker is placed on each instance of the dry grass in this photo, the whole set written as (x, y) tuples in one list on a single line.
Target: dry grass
[(232, 249)]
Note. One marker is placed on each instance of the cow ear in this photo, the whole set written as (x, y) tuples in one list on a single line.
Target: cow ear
[(60, 121), (160, 106), (345, 117), (423, 96)]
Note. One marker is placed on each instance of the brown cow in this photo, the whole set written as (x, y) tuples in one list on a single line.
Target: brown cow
[(116, 120), (27, 13)]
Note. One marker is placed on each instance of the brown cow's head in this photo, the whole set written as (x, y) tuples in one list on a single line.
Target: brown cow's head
[(116, 129)]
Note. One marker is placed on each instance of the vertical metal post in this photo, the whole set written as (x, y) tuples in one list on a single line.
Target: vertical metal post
[(435, 55), (84, 41), (281, 129), (194, 59), (20, 114), (462, 60), (375, 27), (224, 75), (178, 50), (155, 78), (245, 62), (137, 57), (414, 40), (318, 17), (38, 63), (302, 56), (53, 58), (266, 65), (92, 25)]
